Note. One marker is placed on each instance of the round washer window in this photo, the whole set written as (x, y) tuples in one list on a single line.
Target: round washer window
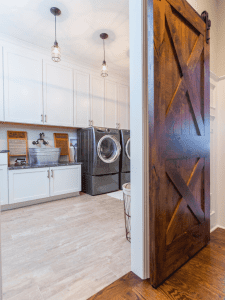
[(108, 149), (128, 148)]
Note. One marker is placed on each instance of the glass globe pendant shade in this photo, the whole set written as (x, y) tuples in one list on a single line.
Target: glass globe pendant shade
[(104, 71), (56, 53)]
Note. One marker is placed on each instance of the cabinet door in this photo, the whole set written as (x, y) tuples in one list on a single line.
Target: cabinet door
[(4, 185), (23, 86), (58, 94), (65, 179), (28, 184), (123, 107), (1, 87), (110, 104), (81, 99), (97, 101)]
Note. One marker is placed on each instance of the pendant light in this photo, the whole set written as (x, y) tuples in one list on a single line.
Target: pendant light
[(104, 71), (56, 51)]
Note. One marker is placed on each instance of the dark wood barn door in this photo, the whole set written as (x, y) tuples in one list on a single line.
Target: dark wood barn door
[(180, 143)]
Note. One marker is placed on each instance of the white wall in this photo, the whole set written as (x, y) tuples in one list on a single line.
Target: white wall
[(221, 114), (211, 6), (33, 135), (221, 39), (216, 10), (221, 153)]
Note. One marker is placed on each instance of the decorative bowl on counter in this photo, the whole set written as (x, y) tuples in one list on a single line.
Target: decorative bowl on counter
[(44, 156)]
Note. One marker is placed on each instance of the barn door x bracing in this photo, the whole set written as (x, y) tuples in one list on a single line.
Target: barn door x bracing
[(179, 164)]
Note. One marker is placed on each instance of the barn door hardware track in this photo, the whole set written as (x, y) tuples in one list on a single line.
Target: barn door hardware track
[(205, 18)]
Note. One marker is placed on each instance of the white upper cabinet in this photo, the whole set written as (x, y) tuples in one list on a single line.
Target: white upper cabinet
[(1, 87), (97, 101), (81, 99), (22, 85), (58, 94), (123, 107), (110, 104)]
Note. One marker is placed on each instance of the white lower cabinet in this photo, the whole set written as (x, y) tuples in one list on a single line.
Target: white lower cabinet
[(38, 183), (64, 180), (3, 184), (28, 184)]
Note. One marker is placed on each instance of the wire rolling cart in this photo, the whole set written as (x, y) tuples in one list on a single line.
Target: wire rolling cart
[(127, 209)]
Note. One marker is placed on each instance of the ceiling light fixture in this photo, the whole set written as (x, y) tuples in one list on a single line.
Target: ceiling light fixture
[(104, 71), (56, 51)]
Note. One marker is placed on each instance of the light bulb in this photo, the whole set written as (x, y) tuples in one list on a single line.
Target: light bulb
[(104, 71), (56, 53)]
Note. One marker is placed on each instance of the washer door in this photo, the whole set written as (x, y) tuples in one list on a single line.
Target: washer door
[(127, 148), (108, 149)]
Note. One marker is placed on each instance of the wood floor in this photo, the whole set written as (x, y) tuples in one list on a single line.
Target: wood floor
[(203, 277), (63, 250)]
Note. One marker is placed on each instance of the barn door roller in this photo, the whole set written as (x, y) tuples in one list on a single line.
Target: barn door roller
[(205, 18)]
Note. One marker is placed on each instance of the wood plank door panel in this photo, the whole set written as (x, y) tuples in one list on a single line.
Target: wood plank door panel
[(180, 145)]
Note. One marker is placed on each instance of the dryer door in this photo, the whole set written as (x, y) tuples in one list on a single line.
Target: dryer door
[(127, 148), (108, 149)]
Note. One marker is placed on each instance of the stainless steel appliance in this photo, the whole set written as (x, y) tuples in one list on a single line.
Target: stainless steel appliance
[(124, 157), (99, 151)]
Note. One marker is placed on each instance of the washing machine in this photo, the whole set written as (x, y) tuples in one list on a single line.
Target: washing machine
[(99, 151), (124, 157)]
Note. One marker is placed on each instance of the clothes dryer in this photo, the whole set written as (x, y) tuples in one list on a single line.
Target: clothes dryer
[(99, 151), (124, 157)]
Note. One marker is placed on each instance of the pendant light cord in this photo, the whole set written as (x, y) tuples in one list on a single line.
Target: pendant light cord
[(55, 29), (104, 48)]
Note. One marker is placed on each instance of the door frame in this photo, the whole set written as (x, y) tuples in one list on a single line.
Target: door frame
[(140, 61)]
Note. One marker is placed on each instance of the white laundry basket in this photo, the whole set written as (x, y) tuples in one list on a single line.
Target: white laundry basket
[(127, 209)]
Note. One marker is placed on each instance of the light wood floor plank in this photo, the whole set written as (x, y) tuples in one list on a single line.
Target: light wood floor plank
[(67, 249)]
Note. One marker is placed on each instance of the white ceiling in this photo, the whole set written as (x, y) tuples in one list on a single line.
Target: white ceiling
[(78, 28)]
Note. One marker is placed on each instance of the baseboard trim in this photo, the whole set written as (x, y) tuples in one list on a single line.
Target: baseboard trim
[(215, 227), (222, 227), (38, 201)]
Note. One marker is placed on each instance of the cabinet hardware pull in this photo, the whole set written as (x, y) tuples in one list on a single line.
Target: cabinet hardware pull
[(48, 174), (42, 120), (45, 118), (52, 174)]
